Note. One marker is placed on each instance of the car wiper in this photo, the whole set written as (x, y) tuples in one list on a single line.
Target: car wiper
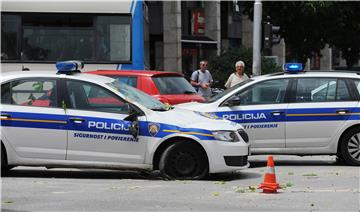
[(163, 109), (158, 109), (189, 92)]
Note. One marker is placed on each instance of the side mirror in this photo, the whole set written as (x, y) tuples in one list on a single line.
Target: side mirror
[(134, 128), (133, 117), (235, 101)]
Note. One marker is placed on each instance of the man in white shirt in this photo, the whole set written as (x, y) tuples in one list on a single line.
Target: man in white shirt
[(238, 76)]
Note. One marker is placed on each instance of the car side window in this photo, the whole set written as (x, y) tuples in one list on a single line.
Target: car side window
[(266, 92), (88, 96), (33, 92), (357, 85), (5, 93), (342, 93), (321, 90)]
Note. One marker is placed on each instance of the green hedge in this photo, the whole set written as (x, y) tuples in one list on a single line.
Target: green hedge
[(222, 66)]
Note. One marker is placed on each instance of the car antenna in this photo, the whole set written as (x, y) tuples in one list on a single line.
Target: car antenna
[(25, 68)]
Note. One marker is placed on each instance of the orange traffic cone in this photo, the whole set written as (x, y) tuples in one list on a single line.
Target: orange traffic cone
[(269, 185)]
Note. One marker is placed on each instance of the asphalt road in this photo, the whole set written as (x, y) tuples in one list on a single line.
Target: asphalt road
[(309, 184)]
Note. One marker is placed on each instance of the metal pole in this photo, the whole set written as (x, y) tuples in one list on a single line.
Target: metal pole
[(257, 38)]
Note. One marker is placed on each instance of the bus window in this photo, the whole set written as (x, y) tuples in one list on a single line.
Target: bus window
[(54, 37)]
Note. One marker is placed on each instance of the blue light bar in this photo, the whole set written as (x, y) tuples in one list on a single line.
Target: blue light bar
[(69, 67), (293, 67)]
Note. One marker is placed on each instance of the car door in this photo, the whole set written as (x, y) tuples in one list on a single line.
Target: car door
[(32, 120), (97, 127), (260, 108), (318, 110)]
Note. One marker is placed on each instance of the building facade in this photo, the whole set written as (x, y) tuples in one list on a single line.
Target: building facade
[(134, 34), (183, 33)]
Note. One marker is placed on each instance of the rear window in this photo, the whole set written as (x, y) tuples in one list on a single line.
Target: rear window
[(173, 85), (132, 81)]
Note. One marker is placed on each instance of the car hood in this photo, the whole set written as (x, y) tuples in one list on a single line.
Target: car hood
[(196, 106), (192, 119)]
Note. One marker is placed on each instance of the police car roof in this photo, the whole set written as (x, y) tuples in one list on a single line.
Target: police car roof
[(346, 74), (52, 74)]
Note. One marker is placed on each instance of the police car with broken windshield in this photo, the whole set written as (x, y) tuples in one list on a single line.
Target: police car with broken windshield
[(295, 112), (73, 119)]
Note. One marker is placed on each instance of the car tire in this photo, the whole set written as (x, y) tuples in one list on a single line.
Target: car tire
[(340, 160), (350, 147), (4, 166), (184, 160)]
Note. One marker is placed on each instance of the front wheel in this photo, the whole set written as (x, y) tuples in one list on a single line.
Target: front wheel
[(350, 147), (184, 160)]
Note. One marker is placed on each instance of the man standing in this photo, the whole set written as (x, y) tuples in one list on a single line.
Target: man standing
[(238, 76), (202, 79)]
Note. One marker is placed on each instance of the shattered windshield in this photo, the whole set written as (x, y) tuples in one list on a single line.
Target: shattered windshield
[(134, 95)]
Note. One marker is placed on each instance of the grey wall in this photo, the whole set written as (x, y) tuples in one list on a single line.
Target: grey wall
[(172, 35)]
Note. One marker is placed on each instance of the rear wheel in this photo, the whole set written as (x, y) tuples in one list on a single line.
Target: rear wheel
[(184, 160), (350, 147)]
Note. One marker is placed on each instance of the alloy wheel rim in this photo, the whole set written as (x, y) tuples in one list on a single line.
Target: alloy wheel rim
[(354, 146)]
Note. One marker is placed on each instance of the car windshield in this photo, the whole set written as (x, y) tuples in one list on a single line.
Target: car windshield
[(220, 95), (173, 85), (135, 95)]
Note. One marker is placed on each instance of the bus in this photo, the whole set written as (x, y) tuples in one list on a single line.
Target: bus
[(103, 34)]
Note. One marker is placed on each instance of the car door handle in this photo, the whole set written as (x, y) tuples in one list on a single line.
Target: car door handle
[(342, 112), (77, 120), (276, 113), (5, 115)]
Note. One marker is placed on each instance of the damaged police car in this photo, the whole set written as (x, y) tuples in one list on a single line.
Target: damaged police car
[(73, 119)]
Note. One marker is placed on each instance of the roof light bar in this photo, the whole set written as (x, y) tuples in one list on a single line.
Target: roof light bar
[(69, 67), (293, 67)]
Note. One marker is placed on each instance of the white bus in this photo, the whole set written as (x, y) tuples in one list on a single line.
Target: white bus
[(104, 34)]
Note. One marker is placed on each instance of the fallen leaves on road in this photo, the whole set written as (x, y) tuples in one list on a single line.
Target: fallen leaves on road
[(115, 188), (244, 190), (310, 175), (222, 182), (215, 194), (40, 182), (287, 185), (7, 202), (58, 192), (134, 187)]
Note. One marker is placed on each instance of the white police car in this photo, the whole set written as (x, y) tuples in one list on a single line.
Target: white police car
[(70, 119), (296, 112)]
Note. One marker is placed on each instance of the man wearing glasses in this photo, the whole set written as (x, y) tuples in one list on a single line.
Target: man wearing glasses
[(202, 79)]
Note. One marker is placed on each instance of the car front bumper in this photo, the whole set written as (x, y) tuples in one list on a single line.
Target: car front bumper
[(227, 156)]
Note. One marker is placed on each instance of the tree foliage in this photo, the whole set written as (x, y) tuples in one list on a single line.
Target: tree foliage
[(223, 65), (307, 26)]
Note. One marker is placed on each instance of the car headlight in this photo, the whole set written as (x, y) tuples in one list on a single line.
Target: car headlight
[(229, 136)]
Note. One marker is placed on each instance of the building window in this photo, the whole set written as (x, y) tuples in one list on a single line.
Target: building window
[(49, 37), (9, 35)]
